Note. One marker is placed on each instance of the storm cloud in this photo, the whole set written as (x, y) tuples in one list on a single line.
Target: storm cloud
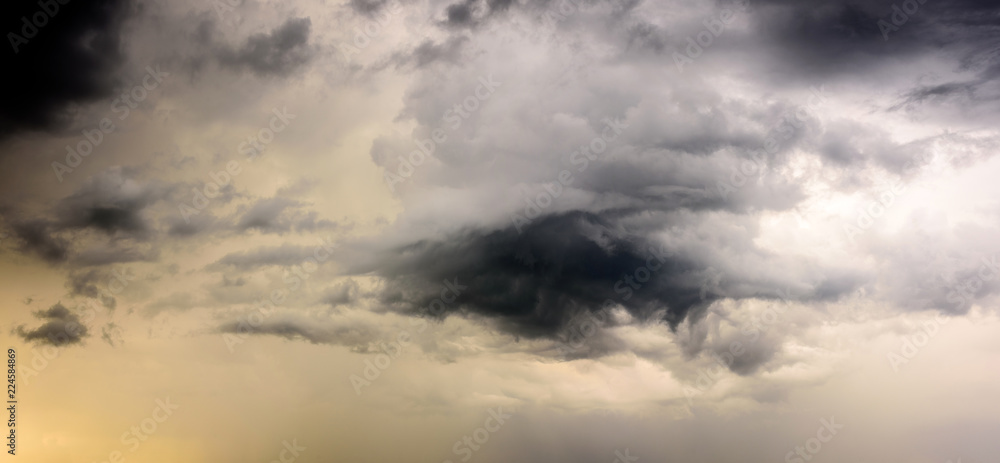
[(69, 53)]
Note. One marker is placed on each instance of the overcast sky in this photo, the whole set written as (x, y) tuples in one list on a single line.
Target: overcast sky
[(571, 231)]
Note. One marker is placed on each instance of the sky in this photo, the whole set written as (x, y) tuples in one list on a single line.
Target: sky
[(571, 231)]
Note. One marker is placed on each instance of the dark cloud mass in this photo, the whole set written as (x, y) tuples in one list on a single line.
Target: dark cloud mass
[(536, 280), (74, 58), (822, 37)]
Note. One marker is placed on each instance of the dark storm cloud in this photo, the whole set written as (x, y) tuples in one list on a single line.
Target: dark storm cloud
[(846, 36), (535, 281), (278, 53), (72, 58), (61, 327), (657, 153)]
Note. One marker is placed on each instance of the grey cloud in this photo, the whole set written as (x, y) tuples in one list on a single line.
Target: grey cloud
[(281, 215), (111, 202), (279, 53), (36, 237), (343, 294), (196, 224), (935, 271), (100, 256), (93, 283), (532, 283), (368, 7), (354, 334), (263, 215), (60, 328), (287, 254), (428, 52), (461, 14)]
